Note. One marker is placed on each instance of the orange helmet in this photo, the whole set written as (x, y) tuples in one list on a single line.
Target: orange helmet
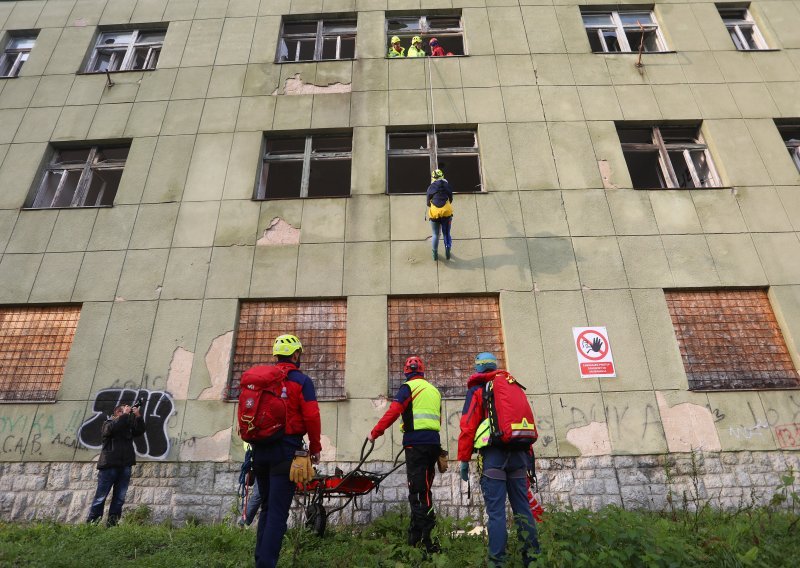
[(414, 365)]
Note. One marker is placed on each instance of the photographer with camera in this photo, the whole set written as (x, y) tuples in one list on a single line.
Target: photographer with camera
[(116, 459)]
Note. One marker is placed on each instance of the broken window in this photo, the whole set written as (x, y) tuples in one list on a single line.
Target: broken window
[(16, 53), (620, 31), (317, 40), (729, 339), (743, 29), (82, 177), (34, 345), (447, 30), (791, 136), (317, 165), (412, 156), (446, 332), (321, 326), (128, 50), (667, 157)]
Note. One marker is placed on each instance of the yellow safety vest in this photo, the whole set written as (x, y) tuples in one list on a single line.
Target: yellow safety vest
[(426, 406)]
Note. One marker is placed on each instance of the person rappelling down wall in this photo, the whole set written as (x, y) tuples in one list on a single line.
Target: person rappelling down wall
[(440, 212)]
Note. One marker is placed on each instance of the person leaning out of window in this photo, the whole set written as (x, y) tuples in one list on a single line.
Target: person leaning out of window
[(396, 50), (416, 49)]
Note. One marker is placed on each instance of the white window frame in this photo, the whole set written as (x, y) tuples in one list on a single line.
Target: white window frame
[(87, 170), (19, 54), (425, 29), (306, 156), (665, 163), (737, 18), (128, 50), (792, 143), (319, 40), (619, 28), (433, 151)]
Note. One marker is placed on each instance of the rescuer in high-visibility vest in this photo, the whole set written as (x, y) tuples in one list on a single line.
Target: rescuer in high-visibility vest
[(419, 405)]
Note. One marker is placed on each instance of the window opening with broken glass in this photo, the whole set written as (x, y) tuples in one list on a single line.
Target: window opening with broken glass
[(319, 40), (317, 165), (15, 54), (130, 50), (82, 177), (667, 157), (412, 156), (623, 31), (791, 137), (447, 30), (743, 29)]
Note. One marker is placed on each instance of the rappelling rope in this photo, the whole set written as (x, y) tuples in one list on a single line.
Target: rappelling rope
[(433, 115)]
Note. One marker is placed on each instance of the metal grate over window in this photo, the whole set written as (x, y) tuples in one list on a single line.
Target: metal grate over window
[(34, 345), (321, 326), (447, 333), (729, 339)]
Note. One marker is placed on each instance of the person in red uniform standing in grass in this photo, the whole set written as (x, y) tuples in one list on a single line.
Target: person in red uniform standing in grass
[(419, 404)]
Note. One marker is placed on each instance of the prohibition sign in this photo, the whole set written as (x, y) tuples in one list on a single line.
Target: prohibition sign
[(585, 342)]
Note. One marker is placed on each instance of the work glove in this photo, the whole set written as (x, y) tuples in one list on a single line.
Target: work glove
[(441, 461), (301, 471), (371, 438), (465, 471)]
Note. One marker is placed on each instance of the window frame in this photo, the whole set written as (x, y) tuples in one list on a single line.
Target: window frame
[(20, 54), (319, 39), (86, 170), (620, 28), (665, 163), (734, 24), (792, 144), (130, 50), (307, 156), (434, 152), (425, 30)]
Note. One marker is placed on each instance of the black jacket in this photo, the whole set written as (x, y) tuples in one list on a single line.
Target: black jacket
[(439, 192), (118, 434)]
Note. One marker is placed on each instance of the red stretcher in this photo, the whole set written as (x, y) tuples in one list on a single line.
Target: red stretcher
[(357, 483)]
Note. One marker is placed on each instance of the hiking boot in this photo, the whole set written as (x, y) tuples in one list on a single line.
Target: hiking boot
[(447, 253), (112, 521), (431, 547), (435, 254)]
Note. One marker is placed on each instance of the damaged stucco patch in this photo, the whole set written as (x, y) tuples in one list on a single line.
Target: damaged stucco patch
[(209, 448), (380, 402), (328, 452), (296, 86), (591, 440), (688, 426), (605, 173), (217, 361), (180, 370), (279, 232)]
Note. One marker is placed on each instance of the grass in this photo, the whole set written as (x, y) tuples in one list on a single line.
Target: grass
[(610, 537)]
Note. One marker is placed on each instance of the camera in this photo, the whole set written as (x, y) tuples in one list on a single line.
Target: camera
[(138, 404)]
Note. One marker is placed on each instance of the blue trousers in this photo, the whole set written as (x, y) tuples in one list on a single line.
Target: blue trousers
[(253, 503), (276, 492), (117, 478), (443, 225), (505, 474)]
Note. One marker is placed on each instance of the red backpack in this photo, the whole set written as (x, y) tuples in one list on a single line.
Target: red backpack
[(510, 416), (262, 404)]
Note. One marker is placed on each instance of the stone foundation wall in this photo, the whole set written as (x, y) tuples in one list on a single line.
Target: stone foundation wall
[(207, 491)]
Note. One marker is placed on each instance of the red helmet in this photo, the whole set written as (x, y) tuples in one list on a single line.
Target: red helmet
[(414, 365)]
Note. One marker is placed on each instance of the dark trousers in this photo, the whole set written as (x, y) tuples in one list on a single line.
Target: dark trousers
[(276, 491), (420, 471), (117, 478), (505, 474)]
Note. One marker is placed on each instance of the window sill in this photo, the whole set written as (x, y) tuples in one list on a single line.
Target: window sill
[(758, 50), (429, 57), (728, 187), (312, 61), (115, 72), (9, 76), (298, 197), (634, 52), (66, 208)]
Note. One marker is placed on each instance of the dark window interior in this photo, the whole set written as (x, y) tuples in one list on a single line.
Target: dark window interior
[(644, 169), (409, 174)]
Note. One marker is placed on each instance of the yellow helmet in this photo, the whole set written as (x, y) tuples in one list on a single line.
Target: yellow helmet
[(437, 174), (416, 39), (285, 345), (395, 39)]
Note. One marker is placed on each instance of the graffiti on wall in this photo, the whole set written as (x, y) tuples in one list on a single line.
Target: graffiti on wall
[(157, 407)]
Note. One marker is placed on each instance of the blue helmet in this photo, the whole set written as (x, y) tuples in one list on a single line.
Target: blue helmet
[(485, 362)]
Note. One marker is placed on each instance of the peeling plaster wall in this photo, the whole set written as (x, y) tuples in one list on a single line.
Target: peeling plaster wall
[(296, 86), (591, 440), (180, 371), (688, 426), (218, 362), (215, 448), (279, 232)]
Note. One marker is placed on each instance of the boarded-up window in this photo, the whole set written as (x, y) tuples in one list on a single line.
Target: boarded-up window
[(447, 332), (34, 345), (729, 339), (319, 324)]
